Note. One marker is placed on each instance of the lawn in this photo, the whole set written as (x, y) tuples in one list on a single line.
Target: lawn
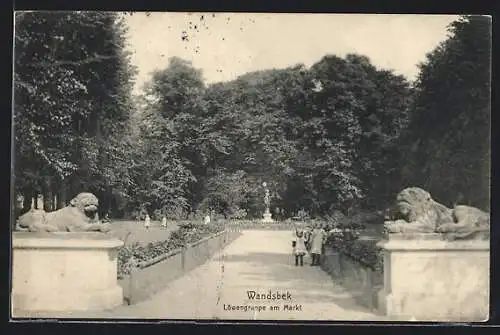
[(134, 231)]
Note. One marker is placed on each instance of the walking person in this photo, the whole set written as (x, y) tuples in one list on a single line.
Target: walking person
[(318, 237), (164, 222), (147, 222), (299, 248), (206, 220)]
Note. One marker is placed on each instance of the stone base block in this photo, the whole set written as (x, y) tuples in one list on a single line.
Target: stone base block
[(435, 280), (65, 272), (72, 301), (267, 218)]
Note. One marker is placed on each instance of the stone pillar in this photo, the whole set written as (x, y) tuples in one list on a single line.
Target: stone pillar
[(429, 279), (64, 272)]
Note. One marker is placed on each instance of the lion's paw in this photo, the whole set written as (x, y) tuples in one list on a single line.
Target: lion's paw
[(105, 228), (445, 228), (50, 228), (393, 227)]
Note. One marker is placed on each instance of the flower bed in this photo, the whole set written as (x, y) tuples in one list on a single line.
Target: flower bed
[(129, 256), (153, 275), (362, 282), (259, 225), (349, 243)]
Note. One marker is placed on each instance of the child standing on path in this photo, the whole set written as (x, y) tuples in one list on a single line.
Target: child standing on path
[(299, 248), (318, 238)]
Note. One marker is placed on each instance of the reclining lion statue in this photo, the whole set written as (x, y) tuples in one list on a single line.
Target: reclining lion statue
[(79, 216), (417, 212)]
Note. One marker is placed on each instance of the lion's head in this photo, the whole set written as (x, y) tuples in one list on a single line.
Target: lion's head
[(87, 203), (412, 202)]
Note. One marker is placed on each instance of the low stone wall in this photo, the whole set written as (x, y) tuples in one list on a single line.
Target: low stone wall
[(153, 276), (360, 280), (249, 225)]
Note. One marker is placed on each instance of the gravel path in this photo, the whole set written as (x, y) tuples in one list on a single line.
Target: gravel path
[(259, 261)]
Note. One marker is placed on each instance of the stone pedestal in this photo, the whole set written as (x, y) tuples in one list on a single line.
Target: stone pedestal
[(429, 279), (267, 218), (64, 272)]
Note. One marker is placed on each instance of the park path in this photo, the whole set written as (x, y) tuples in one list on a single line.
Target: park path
[(259, 261)]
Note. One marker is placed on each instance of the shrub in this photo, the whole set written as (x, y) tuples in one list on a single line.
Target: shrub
[(335, 218), (238, 213)]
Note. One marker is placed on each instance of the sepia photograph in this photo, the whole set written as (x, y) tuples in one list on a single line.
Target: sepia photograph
[(226, 166)]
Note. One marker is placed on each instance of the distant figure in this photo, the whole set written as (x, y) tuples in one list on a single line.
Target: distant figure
[(164, 222), (207, 219), (147, 222), (277, 214)]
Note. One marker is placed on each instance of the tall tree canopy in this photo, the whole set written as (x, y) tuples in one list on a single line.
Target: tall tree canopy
[(314, 135), (170, 156), (72, 103), (338, 135), (448, 140)]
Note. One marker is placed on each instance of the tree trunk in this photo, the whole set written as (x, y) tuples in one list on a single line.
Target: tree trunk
[(48, 196), (74, 185), (61, 195), (28, 200)]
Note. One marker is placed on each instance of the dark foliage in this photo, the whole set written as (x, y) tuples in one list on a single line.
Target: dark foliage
[(340, 136)]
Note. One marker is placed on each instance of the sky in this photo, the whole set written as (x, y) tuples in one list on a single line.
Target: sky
[(227, 45)]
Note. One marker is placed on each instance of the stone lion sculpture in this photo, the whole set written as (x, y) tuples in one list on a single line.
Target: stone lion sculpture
[(79, 216), (417, 212)]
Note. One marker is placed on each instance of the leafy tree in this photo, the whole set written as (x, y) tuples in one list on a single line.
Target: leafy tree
[(169, 156), (356, 112), (386, 99), (67, 113), (250, 119), (307, 132), (324, 138), (226, 193), (447, 143), (47, 93)]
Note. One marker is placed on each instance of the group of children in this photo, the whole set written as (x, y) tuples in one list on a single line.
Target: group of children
[(311, 241)]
